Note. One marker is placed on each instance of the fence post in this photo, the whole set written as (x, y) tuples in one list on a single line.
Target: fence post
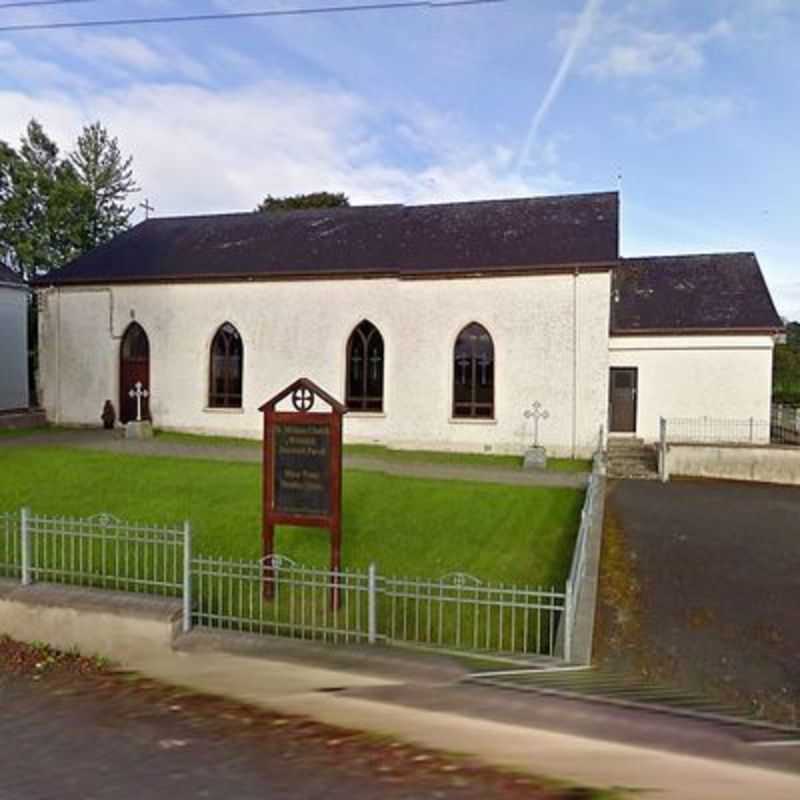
[(187, 577), (372, 605), (568, 617), (27, 551), (663, 470)]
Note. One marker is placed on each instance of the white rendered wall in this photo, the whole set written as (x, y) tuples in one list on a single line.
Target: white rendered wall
[(14, 348), (300, 328), (725, 377)]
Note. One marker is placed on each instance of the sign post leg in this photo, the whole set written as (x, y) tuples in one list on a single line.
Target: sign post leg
[(268, 570)]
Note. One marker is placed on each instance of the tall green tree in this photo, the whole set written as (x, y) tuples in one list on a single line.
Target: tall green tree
[(786, 366), (52, 209), (107, 177), (301, 201), (40, 199)]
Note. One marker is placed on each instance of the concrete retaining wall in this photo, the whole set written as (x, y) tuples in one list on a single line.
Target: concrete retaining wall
[(117, 625), (583, 637), (766, 464)]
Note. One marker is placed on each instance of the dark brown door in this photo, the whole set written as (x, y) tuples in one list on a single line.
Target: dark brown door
[(622, 399), (134, 367)]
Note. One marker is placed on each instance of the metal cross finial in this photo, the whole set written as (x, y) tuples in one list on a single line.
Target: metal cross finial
[(147, 208), (139, 392), (536, 413)]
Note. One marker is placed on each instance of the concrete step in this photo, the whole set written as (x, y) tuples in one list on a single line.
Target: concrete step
[(632, 458), (633, 463), (625, 449), (633, 476)]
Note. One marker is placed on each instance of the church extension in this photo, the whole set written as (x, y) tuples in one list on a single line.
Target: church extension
[(437, 325)]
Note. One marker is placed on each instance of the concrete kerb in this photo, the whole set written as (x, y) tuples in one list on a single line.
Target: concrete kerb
[(393, 664)]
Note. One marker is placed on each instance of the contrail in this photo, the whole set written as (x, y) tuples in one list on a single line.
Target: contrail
[(581, 34)]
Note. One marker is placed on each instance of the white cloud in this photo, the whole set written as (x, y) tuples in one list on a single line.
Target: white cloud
[(199, 149), (637, 52)]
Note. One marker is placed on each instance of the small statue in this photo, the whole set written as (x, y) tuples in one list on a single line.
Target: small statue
[(108, 416)]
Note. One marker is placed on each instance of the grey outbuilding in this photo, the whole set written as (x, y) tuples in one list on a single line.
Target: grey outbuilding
[(14, 296)]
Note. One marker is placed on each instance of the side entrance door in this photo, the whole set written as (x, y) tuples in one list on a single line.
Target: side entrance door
[(622, 387), (134, 367)]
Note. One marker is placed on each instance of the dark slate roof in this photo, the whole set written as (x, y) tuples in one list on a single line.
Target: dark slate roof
[(454, 238), (9, 277), (714, 292)]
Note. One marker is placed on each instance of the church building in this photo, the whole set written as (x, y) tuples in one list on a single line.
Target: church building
[(437, 326)]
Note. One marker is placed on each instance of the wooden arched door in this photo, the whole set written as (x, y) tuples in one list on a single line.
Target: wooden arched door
[(134, 367)]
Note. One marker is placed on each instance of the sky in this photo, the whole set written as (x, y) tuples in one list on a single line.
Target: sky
[(689, 108)]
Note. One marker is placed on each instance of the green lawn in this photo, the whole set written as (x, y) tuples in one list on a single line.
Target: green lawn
[(413, 527), (396, 456), (14, 432)]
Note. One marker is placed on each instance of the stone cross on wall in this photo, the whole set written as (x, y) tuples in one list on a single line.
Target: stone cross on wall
[(140, 393), (536, 413)]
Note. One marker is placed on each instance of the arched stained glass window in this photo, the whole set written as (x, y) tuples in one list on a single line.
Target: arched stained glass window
[(365, 361), (227, 358), (473, 373)]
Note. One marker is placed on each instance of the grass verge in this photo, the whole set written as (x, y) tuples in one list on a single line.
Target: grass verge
[(407, 526)]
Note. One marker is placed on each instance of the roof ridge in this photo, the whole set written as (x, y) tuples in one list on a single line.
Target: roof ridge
[(715, 254), (404, 206), (255, 212)]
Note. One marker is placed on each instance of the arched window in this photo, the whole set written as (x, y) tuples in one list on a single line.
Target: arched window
[(365, 368), (135, 346), (473, 373), (227, 356)]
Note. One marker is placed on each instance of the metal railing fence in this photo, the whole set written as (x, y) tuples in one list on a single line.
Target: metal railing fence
[(103, 552), (457, 611), (785, 424), (783, 427), (713, 430), (10, 545), (460, 612), (577, 572), (229, 594)]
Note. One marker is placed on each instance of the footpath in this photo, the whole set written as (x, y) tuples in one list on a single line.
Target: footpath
[(113, 443), (421, 699)]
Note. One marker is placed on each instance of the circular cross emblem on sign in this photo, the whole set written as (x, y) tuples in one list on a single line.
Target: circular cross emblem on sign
[(303, 399)]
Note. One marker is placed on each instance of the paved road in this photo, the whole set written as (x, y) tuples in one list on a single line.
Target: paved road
[(700, 586), (112, 442), (85, 745)]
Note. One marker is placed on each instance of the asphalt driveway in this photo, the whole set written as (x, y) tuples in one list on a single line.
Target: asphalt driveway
[(700, 587)]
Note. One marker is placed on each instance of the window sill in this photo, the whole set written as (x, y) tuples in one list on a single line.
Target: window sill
[(210, 410), (472, 421), (366, 414)]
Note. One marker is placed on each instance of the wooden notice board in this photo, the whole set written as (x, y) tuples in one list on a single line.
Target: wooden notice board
[(302, 463)]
